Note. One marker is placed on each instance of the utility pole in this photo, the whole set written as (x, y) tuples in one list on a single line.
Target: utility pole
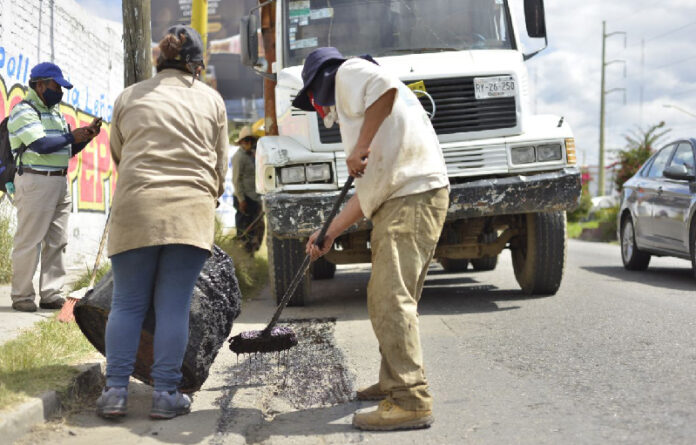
[(603, 93), (268, 17), (137, 41)]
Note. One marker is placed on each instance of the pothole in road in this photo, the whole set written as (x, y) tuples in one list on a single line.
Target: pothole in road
[(311, 375)]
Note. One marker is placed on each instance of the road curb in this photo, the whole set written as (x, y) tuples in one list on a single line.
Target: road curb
[(20, 420)]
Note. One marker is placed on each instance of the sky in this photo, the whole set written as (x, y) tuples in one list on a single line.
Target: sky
[(566, 76)]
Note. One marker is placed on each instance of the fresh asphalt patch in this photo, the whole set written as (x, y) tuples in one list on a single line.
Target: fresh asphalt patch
[(311, 375)]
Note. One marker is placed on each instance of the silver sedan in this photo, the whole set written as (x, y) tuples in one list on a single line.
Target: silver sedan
[(657, 210)]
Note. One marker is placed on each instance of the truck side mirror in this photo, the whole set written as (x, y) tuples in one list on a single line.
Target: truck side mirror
[(535, 18), (249, 40), (678, 172)]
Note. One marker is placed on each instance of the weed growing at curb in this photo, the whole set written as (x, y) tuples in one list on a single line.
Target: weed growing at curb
[(83, 280), (40, 359), (5, 240), (251, 271)]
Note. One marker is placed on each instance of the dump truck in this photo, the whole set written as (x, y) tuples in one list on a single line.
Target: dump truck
[(513, 174)]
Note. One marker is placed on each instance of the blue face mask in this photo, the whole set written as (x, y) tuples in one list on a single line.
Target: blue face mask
[(52, 97)]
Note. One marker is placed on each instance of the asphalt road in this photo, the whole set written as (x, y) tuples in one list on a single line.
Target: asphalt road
[(610, 359)]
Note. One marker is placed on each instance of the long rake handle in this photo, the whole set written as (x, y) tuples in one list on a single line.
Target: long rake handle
[(307, 261), (92, 278)]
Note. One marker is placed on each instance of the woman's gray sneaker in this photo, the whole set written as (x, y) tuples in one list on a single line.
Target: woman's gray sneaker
[(113, 403), (167, 405)]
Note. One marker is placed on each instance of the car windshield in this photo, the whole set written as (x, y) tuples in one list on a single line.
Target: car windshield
[(392, 27)]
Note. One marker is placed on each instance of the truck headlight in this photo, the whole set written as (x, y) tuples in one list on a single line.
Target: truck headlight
[(549, 152), (571, 156), (522, 155), (292, 175), (318, 172)]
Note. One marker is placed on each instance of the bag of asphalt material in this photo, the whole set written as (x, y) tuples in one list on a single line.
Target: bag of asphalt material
[(215, 304)]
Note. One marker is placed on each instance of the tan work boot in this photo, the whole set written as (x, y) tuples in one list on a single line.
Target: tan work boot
[(389, 417), (371, 393)]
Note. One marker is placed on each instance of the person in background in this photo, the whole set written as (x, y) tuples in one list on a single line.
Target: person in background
[(402, 187), (246, 201), (169, 141), (43, 144)]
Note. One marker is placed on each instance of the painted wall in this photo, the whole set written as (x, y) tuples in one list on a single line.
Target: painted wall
[(90, 53)]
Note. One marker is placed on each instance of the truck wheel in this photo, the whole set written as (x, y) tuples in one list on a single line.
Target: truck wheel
[(323, 269), (454, 265), (633, 259), (284, 259), (487, 262), (538, 258)]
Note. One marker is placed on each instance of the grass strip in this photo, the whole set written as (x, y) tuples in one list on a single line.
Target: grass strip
[(40, 359), (576, 228)]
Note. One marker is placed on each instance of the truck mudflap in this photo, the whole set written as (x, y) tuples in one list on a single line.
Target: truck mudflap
[(298, 215)]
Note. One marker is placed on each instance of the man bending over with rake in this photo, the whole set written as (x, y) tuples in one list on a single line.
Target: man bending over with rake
[(402, 187)]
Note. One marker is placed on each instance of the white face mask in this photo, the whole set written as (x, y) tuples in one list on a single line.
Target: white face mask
[(331, 117)]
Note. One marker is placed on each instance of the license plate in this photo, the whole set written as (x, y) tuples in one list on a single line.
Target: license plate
[(494, 87)]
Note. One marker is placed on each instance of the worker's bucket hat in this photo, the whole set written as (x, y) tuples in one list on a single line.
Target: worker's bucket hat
[(48, 70), (245, 132), (314, 69)]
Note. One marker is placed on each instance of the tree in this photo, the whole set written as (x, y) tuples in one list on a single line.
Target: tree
[(640, 144)]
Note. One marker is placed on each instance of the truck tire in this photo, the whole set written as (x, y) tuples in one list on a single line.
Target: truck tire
[(284, 259), (323, 269), (487, 262), (538, 258), (454, 265), (633, 259)]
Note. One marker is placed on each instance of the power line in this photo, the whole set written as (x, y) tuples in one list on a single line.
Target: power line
[(666, 33), (670, 32), (676, 62)]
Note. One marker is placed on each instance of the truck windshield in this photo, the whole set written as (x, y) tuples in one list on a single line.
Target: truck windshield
[(393, 27)]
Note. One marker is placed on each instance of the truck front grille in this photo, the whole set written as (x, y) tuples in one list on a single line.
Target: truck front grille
[(458, 110)]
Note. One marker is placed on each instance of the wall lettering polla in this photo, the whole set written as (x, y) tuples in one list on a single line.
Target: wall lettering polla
[(93, 169)]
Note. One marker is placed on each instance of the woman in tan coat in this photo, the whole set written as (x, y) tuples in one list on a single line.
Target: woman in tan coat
[(169, 140)]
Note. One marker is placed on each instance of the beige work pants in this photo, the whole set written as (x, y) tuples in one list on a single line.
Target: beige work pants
[(404, 236), (43, 207)]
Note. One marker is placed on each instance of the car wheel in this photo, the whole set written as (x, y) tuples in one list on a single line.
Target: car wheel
[(693, 247), (633, 258)]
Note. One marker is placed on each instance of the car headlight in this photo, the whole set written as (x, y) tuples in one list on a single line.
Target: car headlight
[(548, 152), (522, 155), (292, 175), (318, 172)]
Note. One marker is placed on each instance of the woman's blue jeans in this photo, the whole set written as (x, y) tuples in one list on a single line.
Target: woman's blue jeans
[(163, 276)]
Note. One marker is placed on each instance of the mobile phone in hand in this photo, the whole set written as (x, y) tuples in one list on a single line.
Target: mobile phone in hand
[(96, 124)]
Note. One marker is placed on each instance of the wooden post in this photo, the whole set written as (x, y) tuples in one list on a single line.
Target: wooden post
[(268, 17), (137, 41)]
